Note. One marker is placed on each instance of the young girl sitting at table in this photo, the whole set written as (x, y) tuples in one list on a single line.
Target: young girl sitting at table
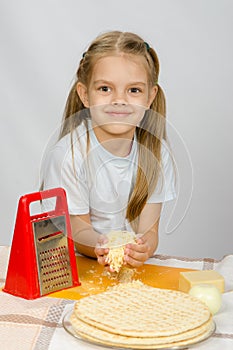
[(112, 157)]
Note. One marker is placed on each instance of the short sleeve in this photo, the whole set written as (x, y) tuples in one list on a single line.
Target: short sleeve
[(64, 169), (165, 189)]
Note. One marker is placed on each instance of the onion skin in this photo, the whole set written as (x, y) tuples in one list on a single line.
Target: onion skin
[(209, 294)]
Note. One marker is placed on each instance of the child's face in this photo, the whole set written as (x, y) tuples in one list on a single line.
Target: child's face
[(118, 93)]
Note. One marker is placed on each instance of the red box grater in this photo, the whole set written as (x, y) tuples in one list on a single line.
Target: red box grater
[(42, 258)]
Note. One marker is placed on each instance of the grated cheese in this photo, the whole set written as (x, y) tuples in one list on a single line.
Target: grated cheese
[(116, 244)]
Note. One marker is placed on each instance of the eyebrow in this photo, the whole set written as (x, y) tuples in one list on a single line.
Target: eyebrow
[(103, 81)]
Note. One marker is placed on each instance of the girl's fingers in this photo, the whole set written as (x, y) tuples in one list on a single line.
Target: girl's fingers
[(101, 259), (136, 254), (101, 254), (139, 247), (102, 240), (133, 262), (101, 251)]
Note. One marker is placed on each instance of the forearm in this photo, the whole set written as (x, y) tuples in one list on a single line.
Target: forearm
[(85, 242), (151, 238), (84, 236), (149, 225)]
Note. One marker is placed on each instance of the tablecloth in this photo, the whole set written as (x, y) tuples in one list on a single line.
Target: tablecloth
[(37, 324)]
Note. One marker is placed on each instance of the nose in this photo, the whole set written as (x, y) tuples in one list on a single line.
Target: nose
[(119, 98)]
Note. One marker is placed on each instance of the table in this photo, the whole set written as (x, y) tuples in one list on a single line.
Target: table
[(37, 324)]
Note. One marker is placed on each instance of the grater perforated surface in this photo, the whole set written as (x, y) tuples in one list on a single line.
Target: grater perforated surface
[(52, 253)]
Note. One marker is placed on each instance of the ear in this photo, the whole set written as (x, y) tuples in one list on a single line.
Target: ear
[(82, 92), (152, 94)]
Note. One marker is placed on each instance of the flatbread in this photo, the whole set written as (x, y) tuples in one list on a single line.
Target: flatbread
[(96, 335), (134, 310)]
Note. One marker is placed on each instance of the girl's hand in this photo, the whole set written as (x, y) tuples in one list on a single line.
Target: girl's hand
[(100, 251), (136, 254)]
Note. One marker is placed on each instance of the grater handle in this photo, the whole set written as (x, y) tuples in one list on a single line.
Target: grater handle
[(59, 193)]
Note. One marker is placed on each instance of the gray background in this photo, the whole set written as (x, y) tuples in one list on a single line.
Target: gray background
[(41, 45)]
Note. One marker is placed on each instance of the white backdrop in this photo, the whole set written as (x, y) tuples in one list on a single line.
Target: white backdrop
[(41, 45)]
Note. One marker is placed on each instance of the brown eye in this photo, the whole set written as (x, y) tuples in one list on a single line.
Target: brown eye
[(104, 88), (135, 90)]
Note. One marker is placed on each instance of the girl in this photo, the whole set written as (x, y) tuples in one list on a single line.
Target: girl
[(111, 157)]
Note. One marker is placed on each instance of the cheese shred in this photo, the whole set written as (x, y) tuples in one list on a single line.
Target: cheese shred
[(117, 241)]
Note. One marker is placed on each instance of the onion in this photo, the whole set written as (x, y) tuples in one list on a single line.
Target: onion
[(209, 294)]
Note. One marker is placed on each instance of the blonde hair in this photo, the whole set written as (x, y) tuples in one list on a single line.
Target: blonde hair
[(152, 128)]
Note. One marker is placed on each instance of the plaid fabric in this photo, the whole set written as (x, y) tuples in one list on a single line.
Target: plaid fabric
[(29, 324), (37, 324)]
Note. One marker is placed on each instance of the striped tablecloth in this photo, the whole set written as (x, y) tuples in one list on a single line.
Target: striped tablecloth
[(37, 324)]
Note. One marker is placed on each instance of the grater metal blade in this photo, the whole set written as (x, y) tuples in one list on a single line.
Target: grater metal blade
[(52, 254)]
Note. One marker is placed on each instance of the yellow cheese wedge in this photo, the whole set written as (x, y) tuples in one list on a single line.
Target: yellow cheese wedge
[(189, 279)]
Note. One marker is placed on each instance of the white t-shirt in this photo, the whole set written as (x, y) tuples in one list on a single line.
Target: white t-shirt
[(100, 183)]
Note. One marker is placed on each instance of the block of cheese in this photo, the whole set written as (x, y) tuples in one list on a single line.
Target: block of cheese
[(191, 278)]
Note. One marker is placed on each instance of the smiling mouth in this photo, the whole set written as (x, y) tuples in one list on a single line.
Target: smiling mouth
[(118, 114)]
